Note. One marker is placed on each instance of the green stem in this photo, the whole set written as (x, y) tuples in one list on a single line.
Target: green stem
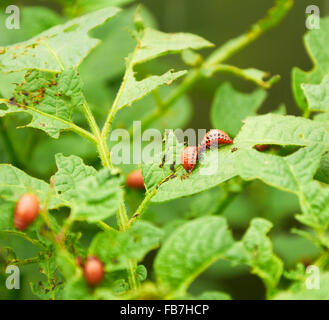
[(230, 196), (132, 264), (24, 262), (272, 19), (104, 226), (274, 16), (26, 237), (114, 109), (70, 125), (142, 207), (101, 145)]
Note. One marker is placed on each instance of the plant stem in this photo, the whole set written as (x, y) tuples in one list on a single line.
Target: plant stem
[(274, 16), (24, 262), (104, 226), (114, 109), (101, 145), (139, 212), (230, 196), (26, 237), (70, 125)]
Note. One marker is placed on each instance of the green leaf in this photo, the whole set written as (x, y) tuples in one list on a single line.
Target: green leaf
[(77, 289), (154, 44), (14, 183), (66, 265), (226, 162), (49, 98), (281, 130), (323, 172), (61, 47), (315, 42), (141, 273), (260, 256), (91, 195), (317, 95), (50, 289), (115, 248), (177, 116), (296, 176), (230, 107), (83, 6), (6, 215), (189, 251), (135, 90), (251, 74)]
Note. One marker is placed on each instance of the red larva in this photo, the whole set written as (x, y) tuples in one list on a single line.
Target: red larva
[(262, 147), (189, 158), (213, 138), (135, 180), (93, 271), (26, 211)]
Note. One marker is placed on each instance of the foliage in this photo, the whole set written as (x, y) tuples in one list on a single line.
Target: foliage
[(60, 76)]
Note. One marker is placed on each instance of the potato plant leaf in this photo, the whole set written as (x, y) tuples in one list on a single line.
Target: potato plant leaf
[(315, 41), (230, 107), (190, 250), (61, 47), (152, 44), (49, 98), (91, 195), (258, 253), (115, 248), (14, 183), (317, 95), (223, 164)]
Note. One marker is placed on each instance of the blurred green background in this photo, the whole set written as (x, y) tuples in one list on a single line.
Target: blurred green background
[(218, 21)]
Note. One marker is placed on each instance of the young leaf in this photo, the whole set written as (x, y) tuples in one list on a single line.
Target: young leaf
[(154, 44), (315, 41), (296, 176), (134, 90), (50, 289), (91, 195), (189, 251), (151, 44), (115, 248), (14, 183), (317, 95), (49, 98), (259, 253), (61, 47), (83, 6), (230, 107), (282, 130)]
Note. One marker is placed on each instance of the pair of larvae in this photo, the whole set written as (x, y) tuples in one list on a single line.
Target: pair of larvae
[(212, 139)]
